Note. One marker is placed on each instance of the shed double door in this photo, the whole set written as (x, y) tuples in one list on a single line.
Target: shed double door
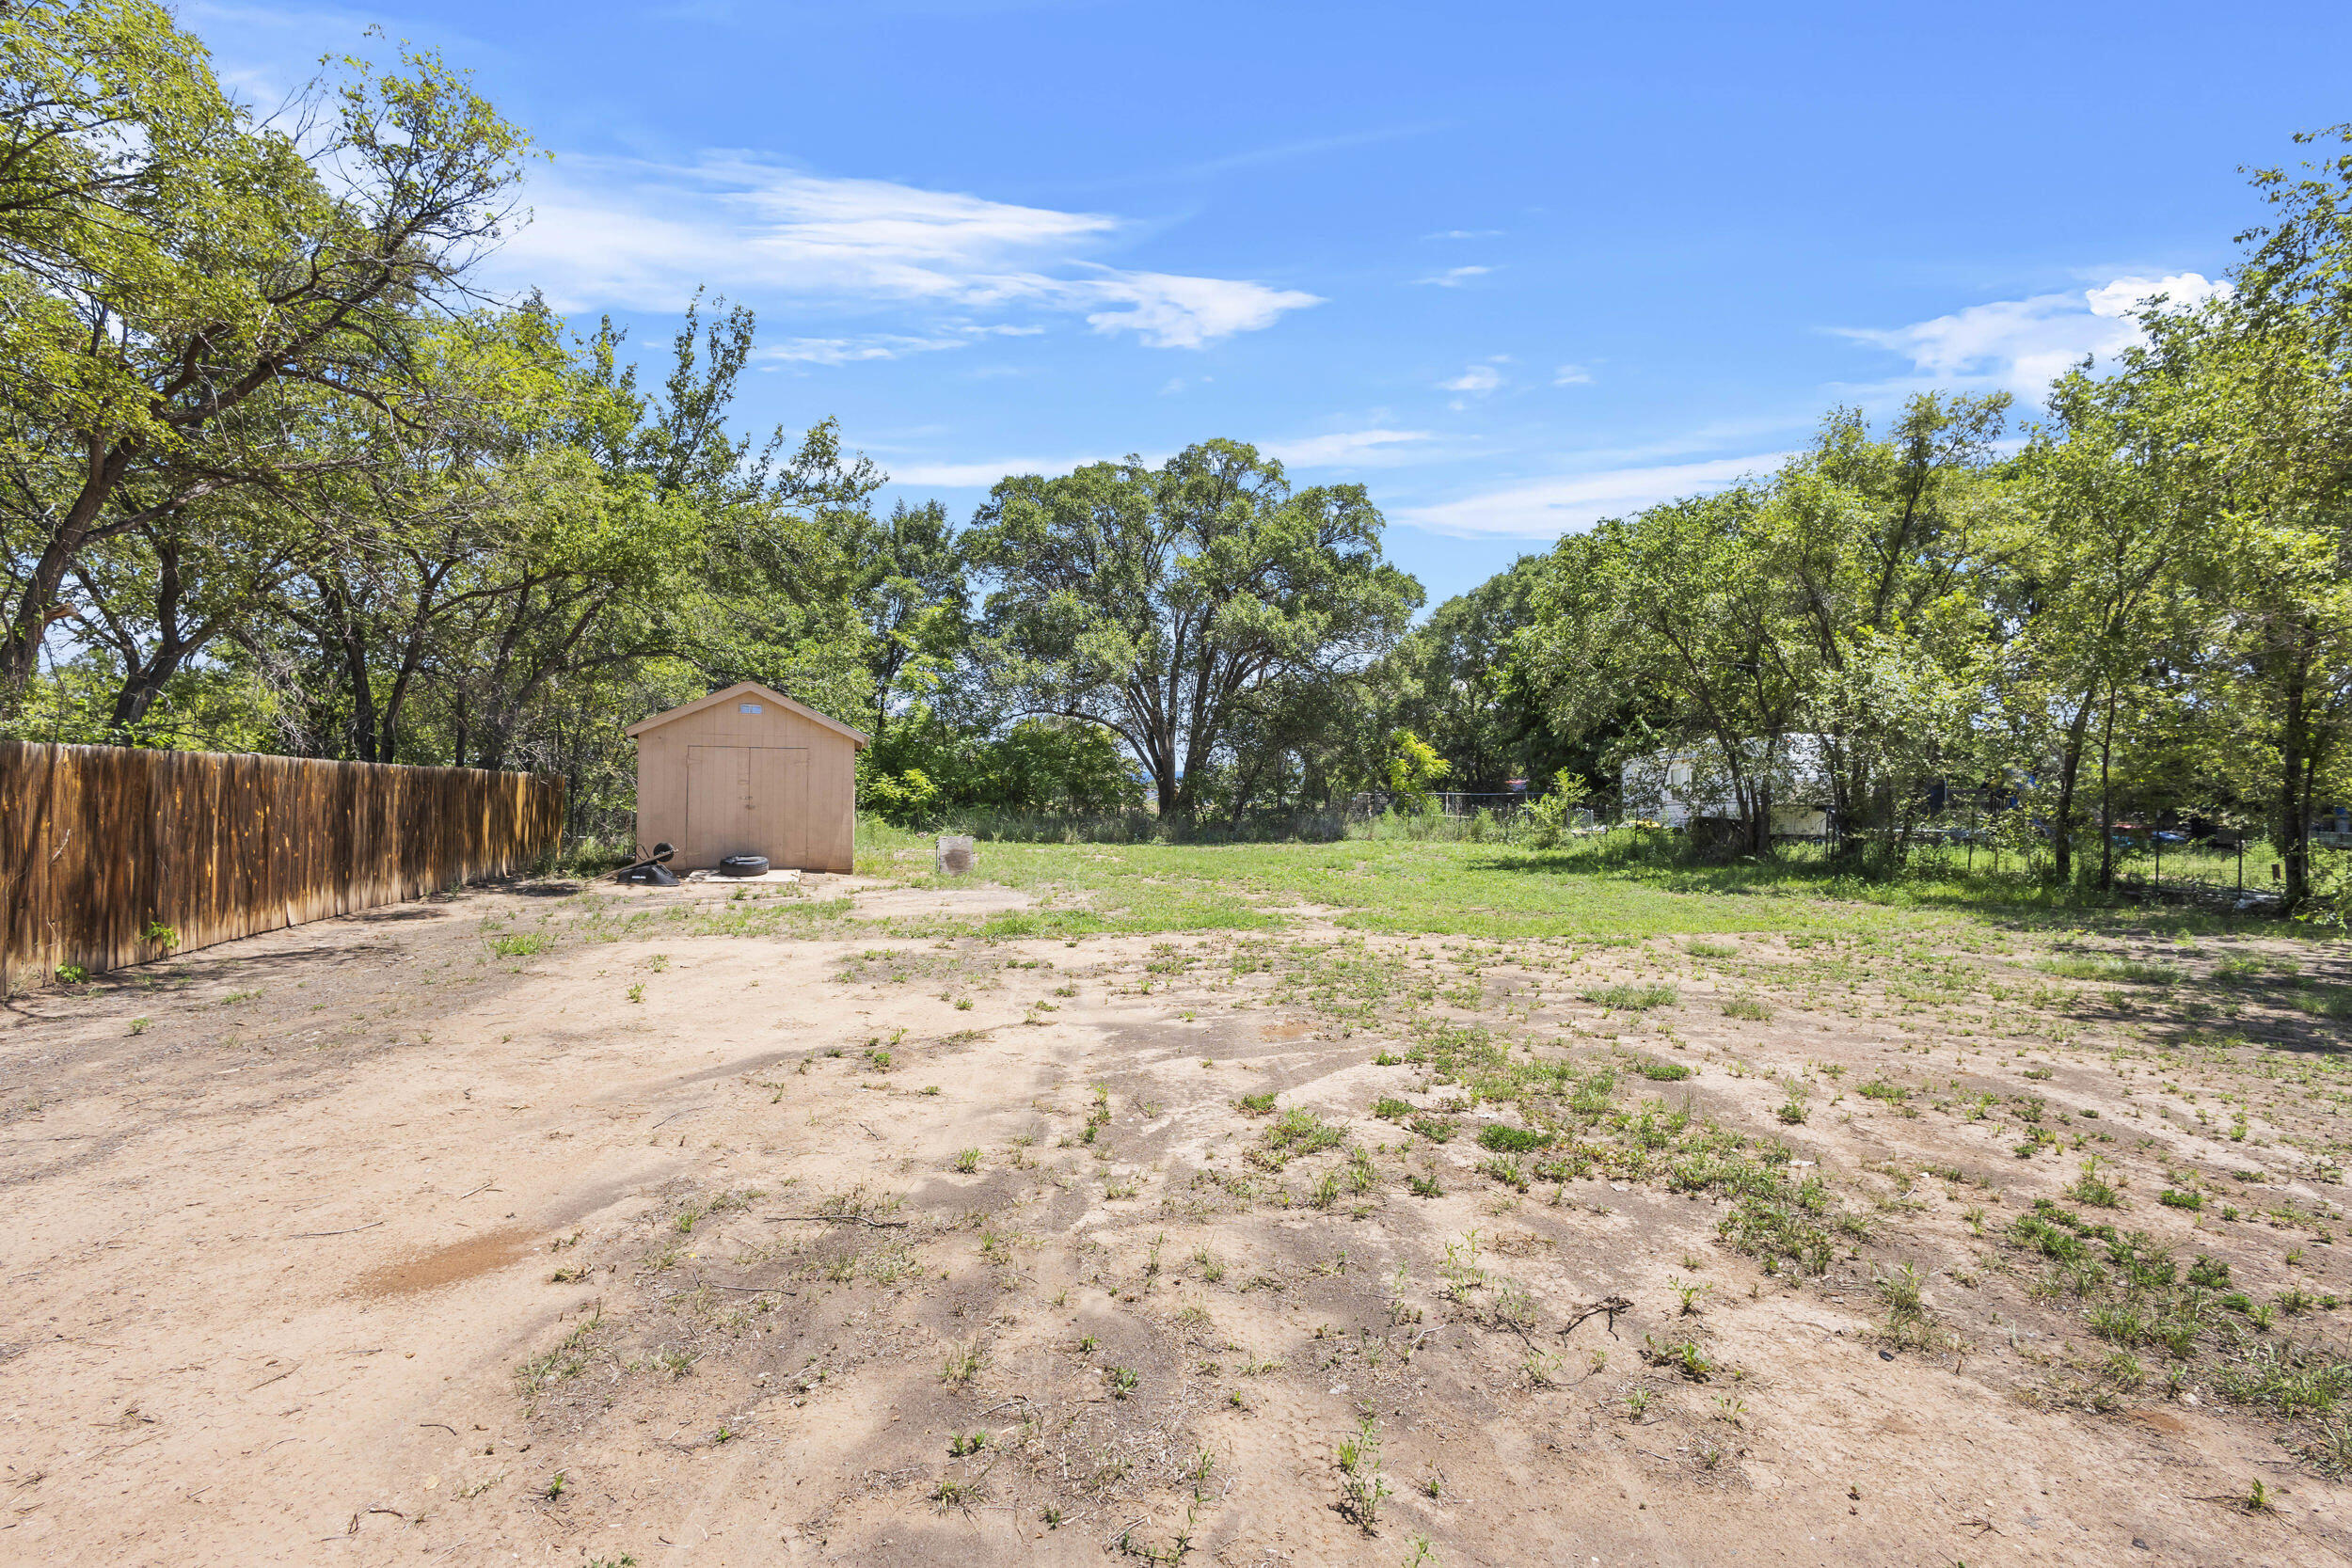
[(747, 800)]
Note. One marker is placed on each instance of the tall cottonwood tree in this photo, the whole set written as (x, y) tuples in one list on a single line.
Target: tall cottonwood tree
[(1159, 602)]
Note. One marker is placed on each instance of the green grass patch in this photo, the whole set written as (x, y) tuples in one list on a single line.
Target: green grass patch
[(2128, 970), (1297, 1132), (1627, 996), (1489, 890)]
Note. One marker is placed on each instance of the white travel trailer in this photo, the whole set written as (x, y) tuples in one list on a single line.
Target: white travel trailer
[(1676, 786)]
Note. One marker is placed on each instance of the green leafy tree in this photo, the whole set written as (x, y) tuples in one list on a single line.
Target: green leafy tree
[(1160, 603), (2097, 599), (1677, 603), (172, 268), (1415, 771), (911, 590), (2274, 366), (1888, 544), (1460, 685)]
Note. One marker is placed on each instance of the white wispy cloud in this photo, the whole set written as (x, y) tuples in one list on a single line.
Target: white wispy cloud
[(1571, 375), (1171, 312), (882, 345), (1454, 277), (1348, 448), (643, 234), (1476, 381), (1310, 147), (2024, 345), (1464, 235), (1547, 508)]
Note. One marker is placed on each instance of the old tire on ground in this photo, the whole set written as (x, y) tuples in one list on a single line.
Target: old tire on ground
[(744, 865)]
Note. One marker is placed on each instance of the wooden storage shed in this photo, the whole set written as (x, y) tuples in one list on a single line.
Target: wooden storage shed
[(748, 772)]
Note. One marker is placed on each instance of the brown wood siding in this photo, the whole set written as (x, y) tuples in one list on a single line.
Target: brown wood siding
[(802, 804), (97, 843)]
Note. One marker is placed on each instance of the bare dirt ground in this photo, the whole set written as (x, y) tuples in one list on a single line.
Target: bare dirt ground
[(688, 1242)]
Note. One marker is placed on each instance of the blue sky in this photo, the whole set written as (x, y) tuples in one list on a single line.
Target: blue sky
[(1513, 267)]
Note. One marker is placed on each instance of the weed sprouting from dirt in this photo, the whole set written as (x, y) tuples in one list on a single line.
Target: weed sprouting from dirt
[(1295, 1134), (1361, 1484), (961, 1364), (567, 1360)]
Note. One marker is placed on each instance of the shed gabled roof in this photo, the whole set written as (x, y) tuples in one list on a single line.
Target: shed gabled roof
[(753, 688)]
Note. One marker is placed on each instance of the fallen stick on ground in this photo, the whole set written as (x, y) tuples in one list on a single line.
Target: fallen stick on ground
[(305, 1235), (714, 1285), (1609, 1304), (844, 1219)]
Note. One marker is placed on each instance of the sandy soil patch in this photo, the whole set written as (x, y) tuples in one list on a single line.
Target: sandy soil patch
[(370, 1241)]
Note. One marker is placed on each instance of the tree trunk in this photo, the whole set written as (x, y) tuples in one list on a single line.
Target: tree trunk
[(35, 606), (2070, 768), (1163, 782), (2294, 820), (147, 676), (2106, 799), (143, 686)]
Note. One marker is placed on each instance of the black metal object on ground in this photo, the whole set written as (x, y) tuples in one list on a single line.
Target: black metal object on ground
[(650, 871)]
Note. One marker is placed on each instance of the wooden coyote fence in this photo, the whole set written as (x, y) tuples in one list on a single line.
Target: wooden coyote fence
[(110, 856)]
